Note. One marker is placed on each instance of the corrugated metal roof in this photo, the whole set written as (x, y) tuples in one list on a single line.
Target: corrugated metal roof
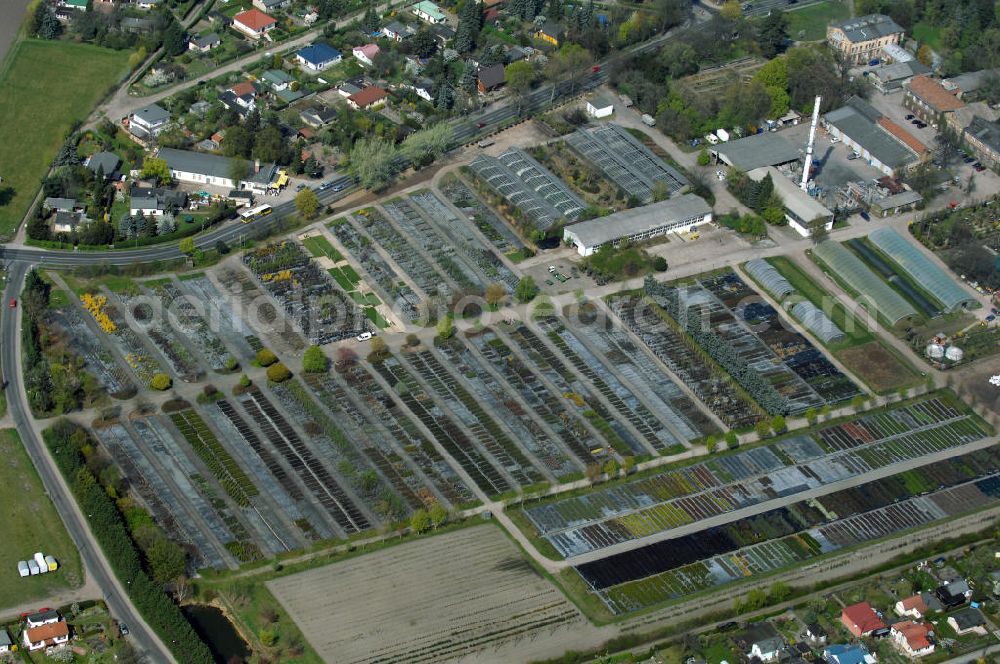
[(594, 232)]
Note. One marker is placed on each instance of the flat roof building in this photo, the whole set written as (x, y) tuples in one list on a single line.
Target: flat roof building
[(759, 150), (680, 213), (858, 125)]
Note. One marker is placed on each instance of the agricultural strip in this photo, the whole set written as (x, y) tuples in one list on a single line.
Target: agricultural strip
[(790, 535), (800, 462), (419, 602)]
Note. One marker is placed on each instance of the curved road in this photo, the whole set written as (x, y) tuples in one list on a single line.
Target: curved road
[(93, 558)]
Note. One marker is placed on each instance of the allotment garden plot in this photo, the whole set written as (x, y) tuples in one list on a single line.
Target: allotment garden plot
[(420, 602), (795, 533), (678, 498)]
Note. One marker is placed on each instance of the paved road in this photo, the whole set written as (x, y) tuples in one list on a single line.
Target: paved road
[(93, 558)]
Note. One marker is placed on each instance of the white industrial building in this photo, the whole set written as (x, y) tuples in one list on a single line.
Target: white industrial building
[(600, 107), (637, 224), (801, 209)]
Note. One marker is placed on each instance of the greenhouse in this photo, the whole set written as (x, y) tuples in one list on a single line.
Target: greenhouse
[(817, 322), (769, 278), (876, 293), (938, 283)]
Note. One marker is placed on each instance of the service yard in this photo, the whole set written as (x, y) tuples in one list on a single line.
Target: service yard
[(420, 602)]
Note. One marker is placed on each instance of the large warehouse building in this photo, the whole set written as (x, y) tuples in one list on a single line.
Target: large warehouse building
[(675, 214)]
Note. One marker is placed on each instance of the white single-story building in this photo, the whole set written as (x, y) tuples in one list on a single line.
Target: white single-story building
[(317, 57), (600, 107), (675, 214), (216, 170), (366, 54), (426, 10)]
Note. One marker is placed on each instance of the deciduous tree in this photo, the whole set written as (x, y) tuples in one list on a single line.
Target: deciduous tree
[(307, 203)]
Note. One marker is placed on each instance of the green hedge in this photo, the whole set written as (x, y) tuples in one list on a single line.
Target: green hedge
[(65, 440)]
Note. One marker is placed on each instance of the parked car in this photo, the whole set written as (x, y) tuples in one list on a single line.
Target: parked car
[(909, 116), (364, 336), (979, 167), (123, 628), (13, 303), (865, 216)]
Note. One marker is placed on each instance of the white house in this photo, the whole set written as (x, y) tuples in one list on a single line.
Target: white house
[(254, 23), (600, 107), (427, 11), (42, 618), (967, 621), (913, 639), (49, 634), (155, 202), (271, 5), (317, 57), (764, 641), (366, 54), (149, 121), (204, 43), (5, 641), (911, 607)]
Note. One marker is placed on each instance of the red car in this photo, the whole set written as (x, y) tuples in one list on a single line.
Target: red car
[(595, 69), (13, 302)]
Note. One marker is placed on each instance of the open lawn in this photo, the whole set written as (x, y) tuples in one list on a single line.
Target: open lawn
[(320, 246), (30, 524), (809, 23), (49, 86), (927, 34)]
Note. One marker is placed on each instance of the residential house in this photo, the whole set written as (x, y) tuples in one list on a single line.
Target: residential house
[(147, 4), (366, 54), (318, 56), (968, 621), (136, 26), (911, 607), (842, 653), (424, 89), (254, 23), (204, 43), (882, 144), (860, 39), (600, 107), (318, 117), (763, 641), (371, 97), (490, 78), (550, 32), (984, 139), (79, 5), (46, 617), (67, 222), (271, 5), (912, 638), (54, 204), (427, 11), (50, 634), (155, 202), (397, 31), (443, 33), (289, 96), (815, 634), (106, 163), (954, 593), (861, 620), (278, 80), (242, 104), (928, 100), (516, 53), (210, 169), (5, 641), (244, 89), (149, 121), (890, 78)]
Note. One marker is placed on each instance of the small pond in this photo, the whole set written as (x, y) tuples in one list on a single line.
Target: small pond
[(217, 632)]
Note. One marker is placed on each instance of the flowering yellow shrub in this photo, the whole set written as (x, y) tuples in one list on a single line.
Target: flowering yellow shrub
[(95, 305)]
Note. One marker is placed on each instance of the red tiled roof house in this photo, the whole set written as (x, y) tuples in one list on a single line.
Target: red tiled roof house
[(370, 97), (254, 23), (860, 619)]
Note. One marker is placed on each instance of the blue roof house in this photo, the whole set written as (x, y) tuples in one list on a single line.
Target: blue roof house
[(317, 57)]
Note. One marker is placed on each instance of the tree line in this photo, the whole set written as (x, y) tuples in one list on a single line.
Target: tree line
[(67, 443)]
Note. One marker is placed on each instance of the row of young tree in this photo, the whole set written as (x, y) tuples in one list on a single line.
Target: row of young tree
[(759, 389), (69, 444)]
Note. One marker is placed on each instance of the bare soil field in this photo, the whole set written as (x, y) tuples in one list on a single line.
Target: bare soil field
[(420, 602), (877, 366)]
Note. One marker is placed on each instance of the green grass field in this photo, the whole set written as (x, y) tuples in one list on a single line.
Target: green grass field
[(48, 86), (927, 34), (809, 23), (30, 524), (320, 246)]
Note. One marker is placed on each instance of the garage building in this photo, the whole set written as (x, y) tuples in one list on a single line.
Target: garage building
[(757, 151), (642, 223)]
